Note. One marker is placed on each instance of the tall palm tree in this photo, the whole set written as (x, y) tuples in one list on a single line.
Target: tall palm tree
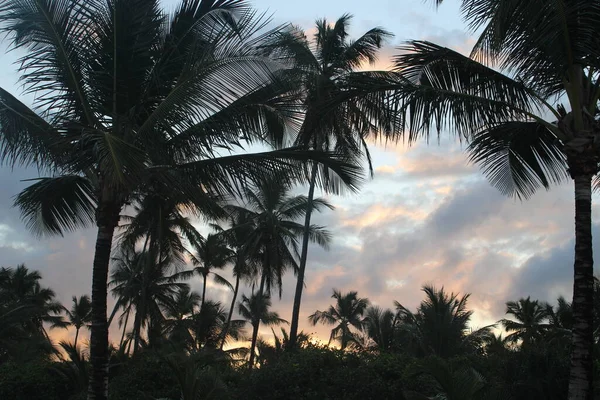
[(209, 255), (255, 309), (144, 284), (80, 314), (340, 106), (440, 325), (273, 215), (347, 312), (129, 98), (550, 51), (531, 321), (245, 263)]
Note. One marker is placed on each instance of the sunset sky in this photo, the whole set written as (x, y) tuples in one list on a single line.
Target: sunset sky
[(427, 217)]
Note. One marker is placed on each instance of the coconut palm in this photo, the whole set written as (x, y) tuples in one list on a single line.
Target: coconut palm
[(347, 312), (245, 263), (144, 284), (533, 127), (255, 309), (178, 316), (268, 354), (381, 326), (211, 254), (131, 98), (80, 314), (340, 106), (440, 326), (208, 326), (531, 321), (273, 215)]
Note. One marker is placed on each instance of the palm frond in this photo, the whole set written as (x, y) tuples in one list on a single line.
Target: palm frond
[(56, 205), (519, 157)]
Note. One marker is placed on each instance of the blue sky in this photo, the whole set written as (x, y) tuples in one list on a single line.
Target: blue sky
[(427, 217)]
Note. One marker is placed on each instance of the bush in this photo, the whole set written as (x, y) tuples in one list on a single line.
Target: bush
[(34, 380), (323, 374), (147, 375)]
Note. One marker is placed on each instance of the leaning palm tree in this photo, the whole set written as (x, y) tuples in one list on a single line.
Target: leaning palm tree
[(328, 68), (211, 254), (440, 326), (533, 127), (130, 97), (255, 309), (530, 321), (80, 314), (346, 313)]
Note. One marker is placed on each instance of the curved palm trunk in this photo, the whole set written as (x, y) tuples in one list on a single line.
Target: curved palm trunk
[(107, 220), (137, 328), (256, 325), (76, 336), (581, 376), (226, 330), (124, 330), (303, 258)]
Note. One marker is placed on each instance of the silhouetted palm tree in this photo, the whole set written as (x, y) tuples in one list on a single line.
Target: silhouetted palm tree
[(347, 312), (531, 321), (179, 315), (211, 254), (80, 314), (144, 285), (209, 324), (255, 309), (549, 51), (441, 324), (273, 214), (341, 107), (382, 326), (140, 99)]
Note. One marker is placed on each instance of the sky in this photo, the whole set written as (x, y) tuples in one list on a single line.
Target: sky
[(428, 216)]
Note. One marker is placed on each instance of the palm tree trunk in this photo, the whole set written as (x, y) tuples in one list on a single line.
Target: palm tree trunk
[(107, 220), (303, 258), (255, 326), (124, 329), (581, 376), (76, 336), (203, 290), (235, 293), (137, 327), (113, 313)]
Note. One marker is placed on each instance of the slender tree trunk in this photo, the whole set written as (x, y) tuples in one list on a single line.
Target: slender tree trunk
[(137, 327), (124, 329), (235, 293), (107, 220), (581, 377), (303, 259), (76, 336), (256, 324), (113, 313), (203, 290)]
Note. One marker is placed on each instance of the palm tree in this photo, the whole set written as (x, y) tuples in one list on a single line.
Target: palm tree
[(131, 98), (441, 324), (255, 309), (268, 354), (550, 51), (530, 325), (80, 314), (208, 326), (245, 263), (143, 284), (178, 316), (348, 312), (210, 254), (340, 106), (273, 213), (381, 326), (21, 292)]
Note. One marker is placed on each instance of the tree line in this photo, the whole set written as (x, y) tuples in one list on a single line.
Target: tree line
[(136, 109)]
